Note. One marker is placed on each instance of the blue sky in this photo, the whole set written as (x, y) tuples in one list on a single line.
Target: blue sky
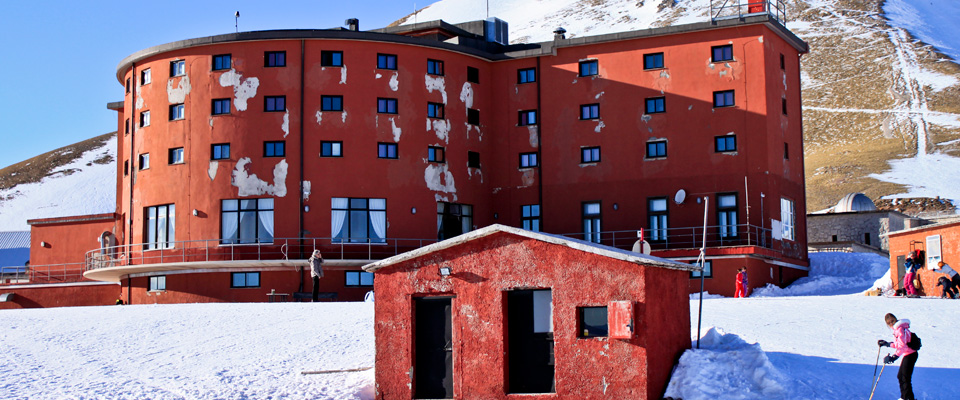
[(60, 57)]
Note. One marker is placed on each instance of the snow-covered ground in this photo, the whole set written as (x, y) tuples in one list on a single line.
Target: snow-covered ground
[(927, 21)]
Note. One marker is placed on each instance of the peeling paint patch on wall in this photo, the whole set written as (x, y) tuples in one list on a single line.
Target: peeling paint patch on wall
[(139, 99), (343, 116), (394, 82), (436, 83), (534, 135), (441, 127), (471, 171), (243, 89), (466, 95), (285, 126), (395, 129), (306, 190), (212, 170), (176, 95), (600, 126), (439, 178), (319, 117), (251, 185), (598, 95), (343, 74), (528, 177)]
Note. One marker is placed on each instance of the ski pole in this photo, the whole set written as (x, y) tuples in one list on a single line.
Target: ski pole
[(879, 349), (875, 384)]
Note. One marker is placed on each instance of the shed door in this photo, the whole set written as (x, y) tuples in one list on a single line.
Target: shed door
[(433, 366), (901, 271), (530, 341)]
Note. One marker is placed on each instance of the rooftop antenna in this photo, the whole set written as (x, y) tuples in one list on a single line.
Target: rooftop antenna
[(488, 9), (236, 21), (415, 12)]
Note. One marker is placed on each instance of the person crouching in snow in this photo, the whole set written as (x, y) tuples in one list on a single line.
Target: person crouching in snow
[(316, 272), (910, 268), (952, 275), (901, 336), (949, 290), (741, 275)]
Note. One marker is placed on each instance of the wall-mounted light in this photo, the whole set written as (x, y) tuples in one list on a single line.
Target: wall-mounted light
[(196, 212), (444, 271), (413, 210), (616, 206), (43, 244), (496, 215), (306, 208)]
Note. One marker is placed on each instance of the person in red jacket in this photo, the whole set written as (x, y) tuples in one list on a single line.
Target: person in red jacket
[(901, 336), (741, 274)]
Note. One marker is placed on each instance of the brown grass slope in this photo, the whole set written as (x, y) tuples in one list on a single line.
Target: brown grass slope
[(51, 163)]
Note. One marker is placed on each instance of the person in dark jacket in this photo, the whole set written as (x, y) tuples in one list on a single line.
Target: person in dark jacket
[(901, 336), (316, 272), (949, 289)]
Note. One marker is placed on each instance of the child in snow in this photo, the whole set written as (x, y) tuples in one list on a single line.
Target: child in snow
[(952, 275), (901, 336), (739, 289), (910, 268), (949, 290)]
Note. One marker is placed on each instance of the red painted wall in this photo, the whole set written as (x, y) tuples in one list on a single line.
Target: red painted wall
[(67, 242), (484, 269), (949, 247), (62, 295)]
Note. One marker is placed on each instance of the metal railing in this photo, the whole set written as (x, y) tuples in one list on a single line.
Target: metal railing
[(687, 237), (40, 274), (727, 9)]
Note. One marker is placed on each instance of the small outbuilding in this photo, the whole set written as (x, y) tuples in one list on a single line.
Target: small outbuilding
[(501, 311)]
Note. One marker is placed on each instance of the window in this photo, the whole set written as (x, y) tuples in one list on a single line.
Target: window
[(161, 229), (144, 118), (331, 149), (788, 220), (274, 149), (655, 105), (727, 215), (176, 112), (591, 221), (145, 77), (220, 151), (590, 111), (783, 65), (386, 61), (275, 103), (589, 154), (246, 221), (158, 283), (126, 126), (220, 106), (527, 75), (355, 220), (435, 110), (592, 322), (221, 62), (331, 58), (657, 149), (473, 75), (387, 106), (589, 68), (528, 160), (126, 167), (653, 61), (657, 213), (245, 280), (387, 150), (175, 156), (359, 279), (786, 151), (530, 217), (707, 270), (783, 105), (473, 159), (725, 143), (453, 219), (144, 161), (178, 68), (527, 117), (128, 85), (275, 59), (722, 53), (435, 67), (866, 238), (723, 99), (435, 154), (331, 103), (473, 117)]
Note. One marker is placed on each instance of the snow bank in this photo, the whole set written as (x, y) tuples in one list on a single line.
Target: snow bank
[(833, 274)]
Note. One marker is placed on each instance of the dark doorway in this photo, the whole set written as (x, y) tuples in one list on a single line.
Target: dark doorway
[(433, 365), (530, 341), (901, 271)]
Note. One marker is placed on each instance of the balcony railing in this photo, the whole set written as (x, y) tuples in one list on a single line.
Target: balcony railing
[(692, 238), (41, 274), (727, 9)]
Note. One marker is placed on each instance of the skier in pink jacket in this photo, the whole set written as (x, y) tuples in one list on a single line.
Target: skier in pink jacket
[(901, 336)]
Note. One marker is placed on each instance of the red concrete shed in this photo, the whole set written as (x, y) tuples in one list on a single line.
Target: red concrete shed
[(502, 311)]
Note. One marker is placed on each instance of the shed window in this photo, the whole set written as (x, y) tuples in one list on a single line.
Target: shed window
[(592, 322)]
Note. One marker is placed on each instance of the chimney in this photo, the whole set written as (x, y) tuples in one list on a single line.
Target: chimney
[(353, 24), (560, 34)]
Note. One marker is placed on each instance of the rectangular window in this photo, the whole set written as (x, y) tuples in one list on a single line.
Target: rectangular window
[(359, 279), (707, 270), (473, 116), (244, 279), (274, 149), (356, 220), (527, 117), (144, 118), (657, 213), (653, 61), (331, 103), (527, 75), (387, 106), (387, 150), (435, 154), (275, 59), (783, 65), (473, 75), (145, 77), (160, 227), (592, 322), (725, 143), (723, 99), (435, 67), (331, 149), (722, 53), (589, 111), (435, 110), (176, 112), (330, 58), (786, 151), (158, 283), (245, 221), (473, 159), (589, 154), (178, 68), (655, 105), (128, 85), (275, 103), (727, 215), (126, 126), (657, 149), (591, 221), (788, 219), (221, 62), (220, 107), (220, 151), (528, 160), (386, 61), (530, 217), (783, 105), (453, 219), (126, 167), (144, 161), (175, 156), (589, 68)]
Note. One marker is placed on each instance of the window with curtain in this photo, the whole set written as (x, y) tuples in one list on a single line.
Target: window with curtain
[(161, 232), (591, 222), (244, 221), (657, 212), (788, 219), (727, 215), (358, 220)]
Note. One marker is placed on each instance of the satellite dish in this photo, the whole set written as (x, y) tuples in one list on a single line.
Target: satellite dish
[(680, 197)]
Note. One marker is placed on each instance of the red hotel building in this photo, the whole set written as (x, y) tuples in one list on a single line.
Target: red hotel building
[(240, 153)]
